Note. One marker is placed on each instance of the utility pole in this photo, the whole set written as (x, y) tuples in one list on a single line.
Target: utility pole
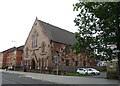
[(57, 61), (56, 57), (15, 45)]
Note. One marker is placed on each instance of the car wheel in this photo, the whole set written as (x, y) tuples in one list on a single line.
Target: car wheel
[(94, 74), (98, 73)]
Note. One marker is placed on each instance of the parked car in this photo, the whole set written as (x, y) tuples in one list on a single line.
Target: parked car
[(93, 71), (9, 68), (82, 71), (88, 71)]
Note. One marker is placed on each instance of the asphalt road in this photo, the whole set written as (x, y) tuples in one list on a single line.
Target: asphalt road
[(18, 79), (102, 75), (14, 78)]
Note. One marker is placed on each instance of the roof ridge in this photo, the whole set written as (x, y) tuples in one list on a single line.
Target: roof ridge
[(8, 49), (20, 46), (56, 27)]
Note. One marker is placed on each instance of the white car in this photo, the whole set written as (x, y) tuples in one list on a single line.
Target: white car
[(93, 71), (88, 71), (82, 71)]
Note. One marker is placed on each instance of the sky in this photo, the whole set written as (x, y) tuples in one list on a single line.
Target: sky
[(18, 16)]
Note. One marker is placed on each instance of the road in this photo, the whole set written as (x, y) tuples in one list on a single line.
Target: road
[(18, 79), (23, 78), (102, 75)]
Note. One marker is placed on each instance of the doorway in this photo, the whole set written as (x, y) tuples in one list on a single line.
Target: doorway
[(33, 64)]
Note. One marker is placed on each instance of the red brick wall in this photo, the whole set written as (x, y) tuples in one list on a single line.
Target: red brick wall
[(4, 59), (7, 54), (12, 59), (18, 58), (71, 57)]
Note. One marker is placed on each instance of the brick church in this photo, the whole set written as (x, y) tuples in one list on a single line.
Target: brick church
[(48, 45)]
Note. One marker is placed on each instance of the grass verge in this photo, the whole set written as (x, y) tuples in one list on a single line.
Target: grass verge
[(103, 71), (76, 74)]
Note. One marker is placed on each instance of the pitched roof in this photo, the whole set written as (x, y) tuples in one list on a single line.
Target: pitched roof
[(20, 48), (58, 35), (13, 48), (10, 49)]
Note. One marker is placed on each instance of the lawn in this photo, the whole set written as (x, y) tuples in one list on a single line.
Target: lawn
[(103, 71), (76, 74)]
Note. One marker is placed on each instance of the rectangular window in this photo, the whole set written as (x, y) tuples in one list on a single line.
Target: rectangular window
[(76, 63), (67, 62), (84, 63)]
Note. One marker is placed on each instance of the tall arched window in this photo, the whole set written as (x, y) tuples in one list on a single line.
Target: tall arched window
[(67, 49), (76, 63), (26, 50), (34, 39), (84, 63), (43, 47)]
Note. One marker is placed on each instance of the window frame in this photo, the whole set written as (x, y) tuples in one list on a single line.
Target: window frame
[(34, 40), (43, 47)]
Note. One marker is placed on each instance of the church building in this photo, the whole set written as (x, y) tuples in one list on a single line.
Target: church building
[(48, 45)]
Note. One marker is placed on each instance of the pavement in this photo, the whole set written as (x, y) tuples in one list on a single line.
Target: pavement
[(59, 79)]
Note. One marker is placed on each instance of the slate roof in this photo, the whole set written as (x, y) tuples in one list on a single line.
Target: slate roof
[(20, 48), (57, 34), (10, 49)]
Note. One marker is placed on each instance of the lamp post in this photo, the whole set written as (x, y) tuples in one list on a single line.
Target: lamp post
[(57, 60), (15, 45), (57, 63)]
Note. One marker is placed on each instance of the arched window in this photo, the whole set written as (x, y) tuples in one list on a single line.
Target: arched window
[(76, 63), (34, 39), (43, 47), (26, 50), (84, 63), (67, 49)]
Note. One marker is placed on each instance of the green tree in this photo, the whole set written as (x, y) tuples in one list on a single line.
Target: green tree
[(97, 23)]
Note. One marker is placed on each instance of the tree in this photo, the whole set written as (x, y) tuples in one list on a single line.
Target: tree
[(97, 22)]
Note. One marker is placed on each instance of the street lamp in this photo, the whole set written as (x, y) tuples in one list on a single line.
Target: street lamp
[(57, 60)]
